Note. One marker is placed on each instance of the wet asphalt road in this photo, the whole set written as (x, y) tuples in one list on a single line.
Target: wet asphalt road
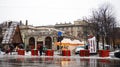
[(36, 61)]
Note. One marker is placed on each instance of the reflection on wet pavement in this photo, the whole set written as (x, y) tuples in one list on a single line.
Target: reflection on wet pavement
[(57, 62)]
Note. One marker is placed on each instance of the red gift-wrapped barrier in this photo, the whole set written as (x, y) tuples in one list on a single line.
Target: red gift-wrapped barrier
[(84, 53), (104, 53), (49, 52), (66, 53), (21, 52), (34, 52)]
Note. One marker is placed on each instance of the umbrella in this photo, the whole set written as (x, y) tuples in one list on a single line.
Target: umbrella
[(64, 42), (77, 43)]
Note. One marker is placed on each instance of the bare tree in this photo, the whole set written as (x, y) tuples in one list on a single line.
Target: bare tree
[(103, 24), (0, 33)]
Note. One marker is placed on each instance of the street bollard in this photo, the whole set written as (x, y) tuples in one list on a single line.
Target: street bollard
[(34, 52), (21, 52), (103, 53), (49, 52), (66, 53)]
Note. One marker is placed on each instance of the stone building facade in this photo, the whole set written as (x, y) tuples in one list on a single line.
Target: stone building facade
[(76, 30), (47, 35), (32, 36)]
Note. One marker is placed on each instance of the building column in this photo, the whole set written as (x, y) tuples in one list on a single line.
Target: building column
[(36, 42)]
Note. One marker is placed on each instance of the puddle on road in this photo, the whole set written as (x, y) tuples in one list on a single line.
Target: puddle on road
[(57, 62)]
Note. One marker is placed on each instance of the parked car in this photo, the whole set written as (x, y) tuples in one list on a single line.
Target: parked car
[(78, 48), (117, 53)]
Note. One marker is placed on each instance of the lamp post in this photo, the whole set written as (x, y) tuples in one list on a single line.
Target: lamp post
[(85, 35), (60, 38), (35, 43)]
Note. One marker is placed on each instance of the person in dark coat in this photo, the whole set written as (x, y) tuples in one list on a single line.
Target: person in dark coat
[(21, 46), (11, 48), (41, 49), (7, 49)]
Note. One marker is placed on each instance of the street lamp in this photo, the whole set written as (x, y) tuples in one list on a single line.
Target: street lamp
[(59, 39)]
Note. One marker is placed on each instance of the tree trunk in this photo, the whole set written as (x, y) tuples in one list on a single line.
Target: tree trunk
[(103, 42), (97, 39)]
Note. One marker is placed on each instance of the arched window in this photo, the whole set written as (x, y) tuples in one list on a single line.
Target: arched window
[(32, 41), (48, 42)]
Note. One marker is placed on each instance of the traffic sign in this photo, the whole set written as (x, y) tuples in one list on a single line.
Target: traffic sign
[(59, 33)]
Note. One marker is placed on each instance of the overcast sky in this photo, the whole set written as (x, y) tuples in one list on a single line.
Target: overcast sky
[(50, 12)]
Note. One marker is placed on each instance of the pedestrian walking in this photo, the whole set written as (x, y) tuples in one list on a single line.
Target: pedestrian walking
[(21, 46), (0, 49), (41, 49), (11, 48), (7, 49)]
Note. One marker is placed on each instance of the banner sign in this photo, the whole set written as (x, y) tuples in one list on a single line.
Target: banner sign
[(92, 45)]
